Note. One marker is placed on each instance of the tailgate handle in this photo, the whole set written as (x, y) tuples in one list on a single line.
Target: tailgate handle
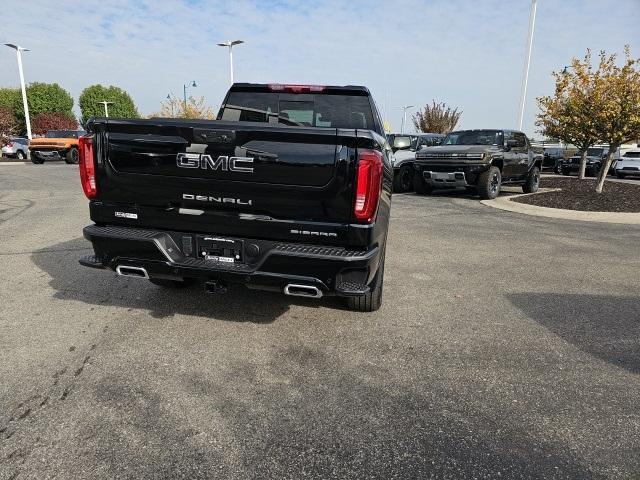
[(214, 136)]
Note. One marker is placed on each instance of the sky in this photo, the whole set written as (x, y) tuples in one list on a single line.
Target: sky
[(467, 53)]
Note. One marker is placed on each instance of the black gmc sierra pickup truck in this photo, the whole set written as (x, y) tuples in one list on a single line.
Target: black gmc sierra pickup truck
[(288, 190)]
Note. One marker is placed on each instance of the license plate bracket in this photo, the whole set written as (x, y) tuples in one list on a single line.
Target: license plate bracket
[(220, 249)]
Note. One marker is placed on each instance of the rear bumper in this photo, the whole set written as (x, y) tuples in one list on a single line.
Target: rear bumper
[(266, 265)]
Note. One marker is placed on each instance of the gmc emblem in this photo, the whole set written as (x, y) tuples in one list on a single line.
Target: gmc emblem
[(204, 161)]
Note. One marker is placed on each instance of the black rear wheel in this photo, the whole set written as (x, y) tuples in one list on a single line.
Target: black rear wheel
[(36, 159), (533, 181), (20, 155), (370, 302)]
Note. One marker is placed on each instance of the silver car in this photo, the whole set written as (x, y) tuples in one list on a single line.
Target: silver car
[(628, 164), (17, 147)]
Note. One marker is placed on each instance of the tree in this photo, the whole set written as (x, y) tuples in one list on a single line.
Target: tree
[(174, 107), (617, 92), (8, 125), (569, 114), (44, 122), (436, 118), (10, 99), (122, 107)]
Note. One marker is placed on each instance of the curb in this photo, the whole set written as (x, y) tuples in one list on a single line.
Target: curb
[(13, 163), (505, 203)]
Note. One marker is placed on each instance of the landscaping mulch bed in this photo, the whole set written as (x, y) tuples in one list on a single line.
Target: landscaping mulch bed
[(578, 194)]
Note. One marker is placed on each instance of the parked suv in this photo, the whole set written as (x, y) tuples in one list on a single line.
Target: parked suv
[(56, 145), (405, 148), (553, 158), (629, 164), (480, 161), (595, 158), (17, 147)]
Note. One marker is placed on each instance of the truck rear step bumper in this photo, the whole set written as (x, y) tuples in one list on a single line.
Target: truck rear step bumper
[(266, 265)]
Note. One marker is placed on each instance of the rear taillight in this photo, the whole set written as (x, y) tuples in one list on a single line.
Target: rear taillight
[(278, 87), (10, 144), (368, 184), (87, 166)]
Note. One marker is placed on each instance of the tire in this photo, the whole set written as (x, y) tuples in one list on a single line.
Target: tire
[(403, 181), (489, 183), (371, 301), (170, 283), (594, 171), (565, 172), (36, 159), (532, 184), (20, 155), (420, 187), (619, 175), (72, 156)]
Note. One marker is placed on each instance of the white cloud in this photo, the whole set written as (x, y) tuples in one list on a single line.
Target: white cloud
[(466, 52)]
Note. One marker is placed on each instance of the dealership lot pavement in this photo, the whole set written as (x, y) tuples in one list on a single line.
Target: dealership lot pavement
[(507, 345)]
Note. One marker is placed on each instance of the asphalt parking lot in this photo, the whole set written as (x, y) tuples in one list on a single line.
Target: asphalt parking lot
[(507, 346)]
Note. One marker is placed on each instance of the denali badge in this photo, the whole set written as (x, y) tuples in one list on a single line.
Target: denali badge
[(204, 161), (205, 198)]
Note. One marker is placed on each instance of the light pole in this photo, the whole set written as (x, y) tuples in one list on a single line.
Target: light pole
[(192, 83), (105, 104), (525, 73), (19, 51), (404, 116), (230, 45), (171, 103)]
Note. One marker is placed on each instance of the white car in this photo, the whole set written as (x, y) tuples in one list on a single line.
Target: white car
[(404, 152), (17, 147), (628, 164)]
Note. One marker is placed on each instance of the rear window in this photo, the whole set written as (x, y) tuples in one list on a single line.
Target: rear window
[(308, 110), (632, 155)]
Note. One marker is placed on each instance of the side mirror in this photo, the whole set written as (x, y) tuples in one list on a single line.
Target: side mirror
[(401, 143), (510, 144)]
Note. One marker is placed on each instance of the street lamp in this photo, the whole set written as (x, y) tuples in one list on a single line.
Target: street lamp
[(192, 83), (527, 64), (105, 104), (404, 116), (230, 45), (171, 103), (19, 51)]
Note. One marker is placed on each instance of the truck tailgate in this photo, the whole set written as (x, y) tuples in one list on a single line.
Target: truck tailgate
[(213, 175)]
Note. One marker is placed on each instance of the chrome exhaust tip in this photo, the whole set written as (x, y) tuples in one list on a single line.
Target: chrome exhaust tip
[(308, 291), (129, 271)]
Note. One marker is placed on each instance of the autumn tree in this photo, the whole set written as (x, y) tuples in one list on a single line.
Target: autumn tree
[(195, 108), (436, 118), (44, 122), (617, 118), (8, 125), (570, 114)]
